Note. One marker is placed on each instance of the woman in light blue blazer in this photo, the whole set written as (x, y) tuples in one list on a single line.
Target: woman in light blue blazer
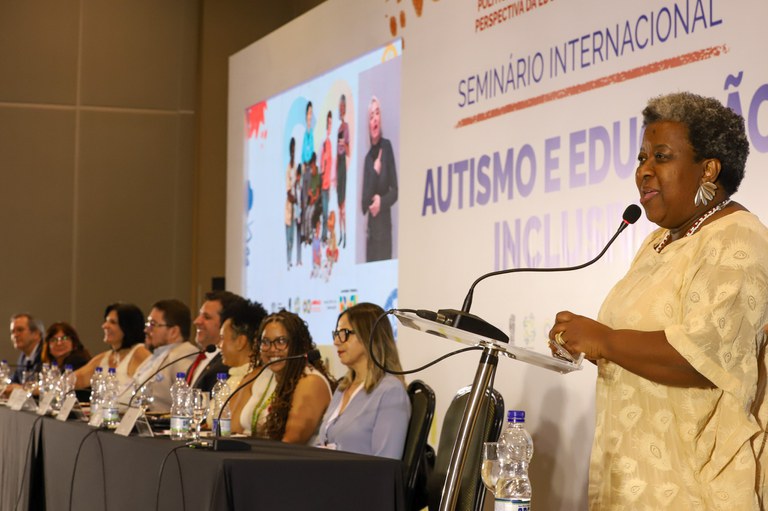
[(370, 410)]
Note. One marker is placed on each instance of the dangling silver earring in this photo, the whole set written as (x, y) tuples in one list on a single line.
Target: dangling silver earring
[(705, 193)]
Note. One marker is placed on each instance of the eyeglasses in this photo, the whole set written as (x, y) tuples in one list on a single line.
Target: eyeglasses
[(342, 335), (59, 339), (279, 343), (152, 324)]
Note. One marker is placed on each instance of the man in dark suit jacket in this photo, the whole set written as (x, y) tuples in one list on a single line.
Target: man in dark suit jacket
[(27, 337), (216, 308)]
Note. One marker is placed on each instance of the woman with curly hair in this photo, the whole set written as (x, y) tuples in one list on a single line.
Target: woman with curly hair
[(681, 408), (290, 403)]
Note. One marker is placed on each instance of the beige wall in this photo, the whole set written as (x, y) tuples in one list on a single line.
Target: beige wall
[(113, 150)]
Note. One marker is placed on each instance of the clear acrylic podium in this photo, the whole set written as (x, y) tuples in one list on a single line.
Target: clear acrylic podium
[(485, 372)]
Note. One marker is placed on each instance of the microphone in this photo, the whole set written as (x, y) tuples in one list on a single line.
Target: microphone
[(208, 349), (469, 322), (220, 444)]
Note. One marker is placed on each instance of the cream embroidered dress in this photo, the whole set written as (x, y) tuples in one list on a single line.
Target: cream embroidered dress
[(658, 447)]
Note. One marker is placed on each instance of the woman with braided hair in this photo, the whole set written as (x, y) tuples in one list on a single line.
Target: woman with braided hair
[(290, 404)]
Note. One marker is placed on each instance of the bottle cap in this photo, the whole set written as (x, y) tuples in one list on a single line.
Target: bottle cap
[(112, 370), (68, 367), (515, 416), (99, 369), (181, 375), (222, 376)]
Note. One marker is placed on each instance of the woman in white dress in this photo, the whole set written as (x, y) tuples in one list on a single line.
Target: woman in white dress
[(124, 333)]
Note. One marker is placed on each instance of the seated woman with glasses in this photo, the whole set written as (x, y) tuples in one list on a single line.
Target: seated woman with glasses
[(370, 410), (62, 347), (124, 334), (289, 398)]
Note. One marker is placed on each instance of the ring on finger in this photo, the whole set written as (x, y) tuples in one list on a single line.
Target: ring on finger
[(559, 338)]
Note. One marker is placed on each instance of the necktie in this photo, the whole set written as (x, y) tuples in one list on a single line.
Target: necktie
[(193, 367)]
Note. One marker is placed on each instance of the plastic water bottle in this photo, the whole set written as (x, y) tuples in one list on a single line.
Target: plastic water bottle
[(97, 389), (109, 410), (5, 375), (66, 383), (68, 380), (513, 488), (50, 385), (181, 415), (219, 394)]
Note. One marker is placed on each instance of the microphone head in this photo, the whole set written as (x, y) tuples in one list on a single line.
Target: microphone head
[(211, 348), (313, 356), (631, 214)]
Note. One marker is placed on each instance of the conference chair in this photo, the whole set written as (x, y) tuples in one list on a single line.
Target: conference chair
[(422, 412), (491, 418)]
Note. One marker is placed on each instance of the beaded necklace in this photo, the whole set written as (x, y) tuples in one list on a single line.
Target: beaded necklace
[(695, 225)]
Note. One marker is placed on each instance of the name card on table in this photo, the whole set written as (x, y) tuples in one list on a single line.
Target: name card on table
[(134, 418), (96, 419), (19, 400), (70, 406), (66, 407), (45, 404)]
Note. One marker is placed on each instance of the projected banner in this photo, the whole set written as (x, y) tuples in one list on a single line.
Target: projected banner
[(322, 163)]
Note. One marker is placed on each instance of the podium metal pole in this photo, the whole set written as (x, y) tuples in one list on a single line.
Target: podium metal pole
[(485, 371)]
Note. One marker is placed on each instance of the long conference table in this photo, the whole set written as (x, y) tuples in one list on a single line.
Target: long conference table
[(39, 471)]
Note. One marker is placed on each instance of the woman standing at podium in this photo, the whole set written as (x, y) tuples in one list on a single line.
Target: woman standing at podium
[(681, 409), (370, 409)]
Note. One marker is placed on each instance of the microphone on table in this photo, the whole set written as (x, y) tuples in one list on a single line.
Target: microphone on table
[(208, 349), (463, 320), (220, 444)]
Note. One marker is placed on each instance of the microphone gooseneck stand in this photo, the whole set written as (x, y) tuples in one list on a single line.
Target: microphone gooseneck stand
[(487, 369)]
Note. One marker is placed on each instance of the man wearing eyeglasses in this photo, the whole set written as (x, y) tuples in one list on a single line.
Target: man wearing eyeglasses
[(215, 310), (26, 335), (167, 332)]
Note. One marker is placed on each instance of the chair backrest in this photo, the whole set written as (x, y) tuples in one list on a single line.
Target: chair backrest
[(490, 420), (422, 412)]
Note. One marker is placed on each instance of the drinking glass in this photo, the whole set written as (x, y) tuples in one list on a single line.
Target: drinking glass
[(143, 396), (491, 465), (29, 382), (199, 403)]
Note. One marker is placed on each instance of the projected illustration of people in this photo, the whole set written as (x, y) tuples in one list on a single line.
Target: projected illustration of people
[(290, 199), (326, 167), (298, 209), (379, 191), (308, 145), (342, 156), (313, 211), (332, 251)]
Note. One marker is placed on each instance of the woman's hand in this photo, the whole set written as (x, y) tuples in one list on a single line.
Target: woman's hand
[(579, 334), (647, 354)]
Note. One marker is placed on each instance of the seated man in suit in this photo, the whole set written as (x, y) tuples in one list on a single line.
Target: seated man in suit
[(167, 332), (27, 336), (215, 310)]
